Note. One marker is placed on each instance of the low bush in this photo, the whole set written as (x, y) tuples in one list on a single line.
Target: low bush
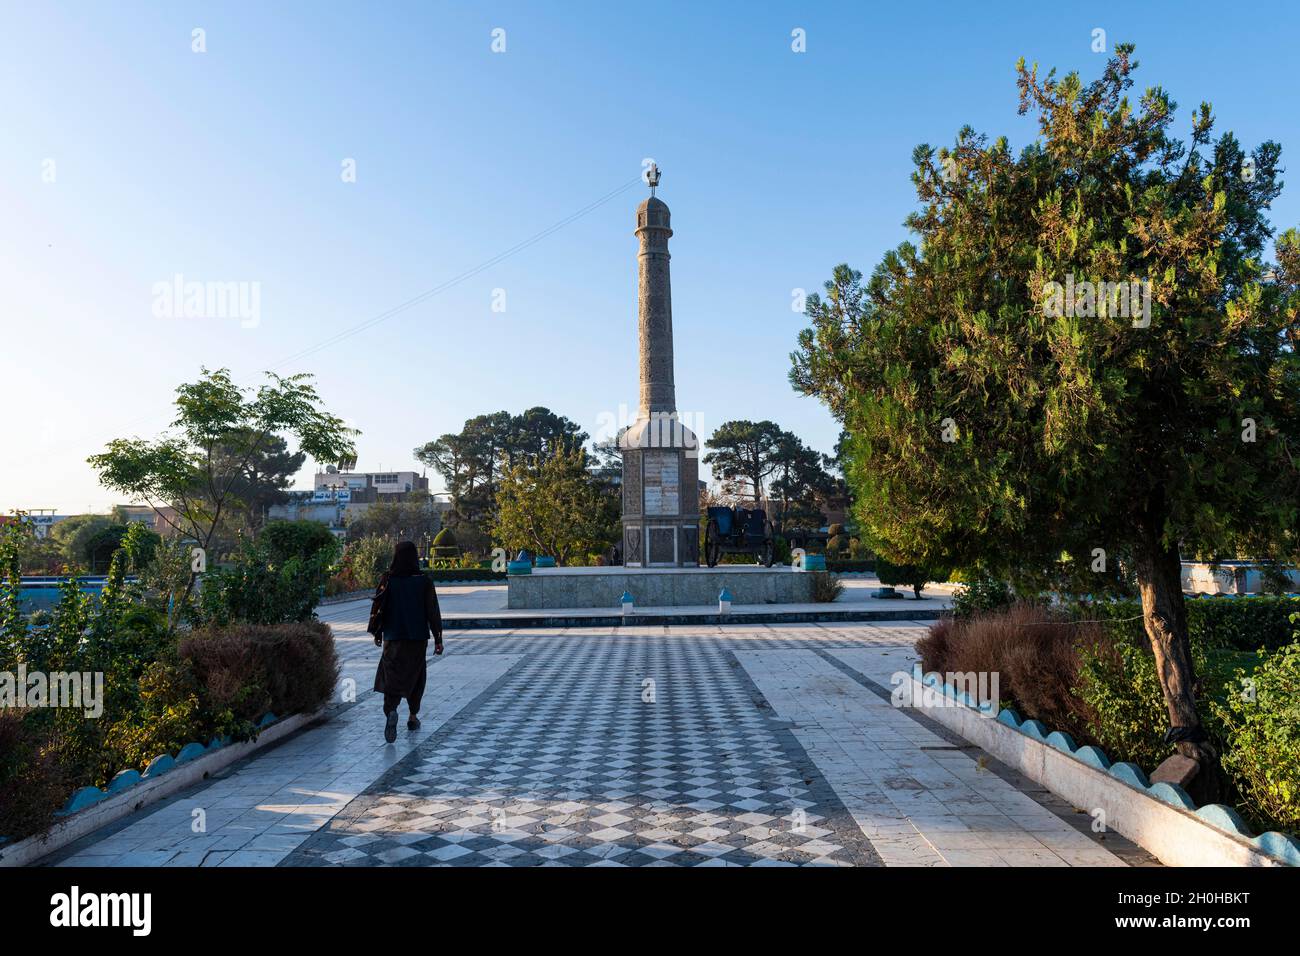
[(454, 575), (782, 550), (262, 588), (366, 559), (909, 575), (1246, 624), (1087, 672), (1033, 652), (33, 785), (841, 566), (1262, 723), (1118, 685), (981, 594), (825, 587), (247, 670), (282, 540), (168, 713)]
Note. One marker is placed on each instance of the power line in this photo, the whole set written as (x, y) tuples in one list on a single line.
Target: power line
[(430, 293), (456, 280)]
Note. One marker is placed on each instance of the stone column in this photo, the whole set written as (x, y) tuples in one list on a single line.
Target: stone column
[(660, 455), (655, 310)]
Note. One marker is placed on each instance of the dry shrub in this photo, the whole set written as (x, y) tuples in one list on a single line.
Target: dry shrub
[(33, 785), (250, 669), (1034, 651)]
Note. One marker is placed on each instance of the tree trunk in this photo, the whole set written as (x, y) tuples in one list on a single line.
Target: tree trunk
[(1164, 616)]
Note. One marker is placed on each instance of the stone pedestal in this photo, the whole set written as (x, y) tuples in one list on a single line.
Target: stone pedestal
[(580, 588), (661, 512)]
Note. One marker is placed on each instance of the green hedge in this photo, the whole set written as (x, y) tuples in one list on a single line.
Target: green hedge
[(452, 575), (1244, 624), (849, 565)]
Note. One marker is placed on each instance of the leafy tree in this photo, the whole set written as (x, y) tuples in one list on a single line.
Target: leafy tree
[(760, 458), (537, 433), (800, 477), (992, 428), (414, 520), (556, 507), (262, 476), (220, 431), (283, 540), (746, 453), (473, 460), (73, 536)]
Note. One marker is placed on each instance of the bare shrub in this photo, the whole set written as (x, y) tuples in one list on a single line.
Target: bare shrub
[(1034, 651)]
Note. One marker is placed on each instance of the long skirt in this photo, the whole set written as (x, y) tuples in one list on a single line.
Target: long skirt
[(402, 670)]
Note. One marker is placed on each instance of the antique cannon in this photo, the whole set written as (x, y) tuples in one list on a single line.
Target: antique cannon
[(738, 531)]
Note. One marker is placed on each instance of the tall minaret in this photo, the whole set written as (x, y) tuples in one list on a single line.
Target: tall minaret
[(655, 304), (660, 455)]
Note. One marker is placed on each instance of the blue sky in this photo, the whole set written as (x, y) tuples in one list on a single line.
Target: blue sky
[(225, 166)]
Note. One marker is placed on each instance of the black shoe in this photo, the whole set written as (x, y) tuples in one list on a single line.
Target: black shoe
[(390, 727), (413, 722)]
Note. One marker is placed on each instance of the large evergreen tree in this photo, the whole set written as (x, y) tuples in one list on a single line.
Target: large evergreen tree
[(995, 421)]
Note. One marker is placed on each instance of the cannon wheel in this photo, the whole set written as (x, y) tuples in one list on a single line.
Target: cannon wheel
[(712, 543), (767, 551)]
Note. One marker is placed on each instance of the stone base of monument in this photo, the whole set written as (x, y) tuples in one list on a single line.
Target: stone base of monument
[(554, 588)]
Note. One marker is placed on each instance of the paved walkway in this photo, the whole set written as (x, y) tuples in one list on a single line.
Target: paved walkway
[(646, 745)]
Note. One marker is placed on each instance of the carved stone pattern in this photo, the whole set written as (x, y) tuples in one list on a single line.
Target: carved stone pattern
[(690, 548), (661, 545), (690, 486), (632, 483), (632, 550), (655, 328)]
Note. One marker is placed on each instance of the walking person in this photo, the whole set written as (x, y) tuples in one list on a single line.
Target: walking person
[(403, 613)]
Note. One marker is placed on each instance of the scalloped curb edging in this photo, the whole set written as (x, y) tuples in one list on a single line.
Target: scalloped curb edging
[(1159, 817), (90, 808)]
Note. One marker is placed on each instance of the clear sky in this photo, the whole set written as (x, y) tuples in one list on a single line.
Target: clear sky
[(226, 166)]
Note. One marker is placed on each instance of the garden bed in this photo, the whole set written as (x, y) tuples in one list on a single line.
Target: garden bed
[(1086, 674), (1161, 818)]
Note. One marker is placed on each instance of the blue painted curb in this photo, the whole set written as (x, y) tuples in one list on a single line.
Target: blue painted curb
[(1172, 794), (1130, 773), (85, 797), (1225, 818), (1035, 729), (1062, 741), (1093, 756), (123, 779), (159, 765), (190, 751), (1280, 845)]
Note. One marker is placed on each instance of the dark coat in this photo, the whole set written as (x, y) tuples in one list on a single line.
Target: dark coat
[(406, 607), (405, 610)]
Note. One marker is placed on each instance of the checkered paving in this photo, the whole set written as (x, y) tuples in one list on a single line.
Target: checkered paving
[(612, 750)]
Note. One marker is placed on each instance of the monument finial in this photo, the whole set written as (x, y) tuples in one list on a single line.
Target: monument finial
[(652, 175)]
